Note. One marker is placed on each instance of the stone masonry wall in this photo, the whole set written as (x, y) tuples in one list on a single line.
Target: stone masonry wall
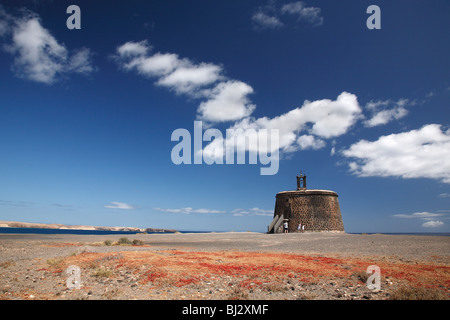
[(318, 210)]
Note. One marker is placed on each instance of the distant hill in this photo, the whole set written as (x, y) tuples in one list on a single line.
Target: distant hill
[(15, 224)]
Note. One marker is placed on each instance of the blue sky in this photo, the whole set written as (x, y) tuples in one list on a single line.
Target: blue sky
[(87, 115)]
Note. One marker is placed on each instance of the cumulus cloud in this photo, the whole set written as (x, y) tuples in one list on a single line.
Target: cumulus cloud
[(132, 49), (270, 16), (264, 20), (428, 216), (266, 17), (432, 224), (310, 142), (223, 99), (385, 116), (188, 78), (418, 153), (38, 56), (189, 210), (311, 15), (228, 101), (384, 111), (80, 62), (422, 153), (305, 127), (181, 75), (120, 205), (320, 119), (5, 22)]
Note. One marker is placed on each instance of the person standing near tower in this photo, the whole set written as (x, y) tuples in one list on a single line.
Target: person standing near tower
[(286, 226)]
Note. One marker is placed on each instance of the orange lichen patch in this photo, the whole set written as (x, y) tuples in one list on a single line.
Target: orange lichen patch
[(189, 280), (154, 275), (251, 269), (419, 274)]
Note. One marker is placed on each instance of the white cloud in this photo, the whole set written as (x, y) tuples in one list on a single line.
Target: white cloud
[(5, 22), (428, 216), (223, 99), (252, 212), (305, 127), (385, 116), (80, 62), (392, 110), (423, 153), (444, 195), (228, 101), (236, 212), (329, 118), (422, 215), (4, 28), (432, 224), (266, 21), (266, 17), (119, 205), (133, 49), (38, 56), (181, 75), (332, 151), (269, 16), (158, 64), (311, 15), (374, 105), (310, 142), (134, 56), (320, 119), (188, 78), (189, 210)]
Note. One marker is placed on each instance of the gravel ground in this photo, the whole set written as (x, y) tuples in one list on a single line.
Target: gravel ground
[(222, 266)]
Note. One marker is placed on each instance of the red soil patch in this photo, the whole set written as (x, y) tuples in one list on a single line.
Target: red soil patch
[(250, 269)]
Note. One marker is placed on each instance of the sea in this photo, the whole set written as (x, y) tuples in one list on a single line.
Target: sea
[(4, 230)]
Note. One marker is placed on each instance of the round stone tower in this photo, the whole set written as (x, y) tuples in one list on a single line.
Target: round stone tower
[(312, 210)]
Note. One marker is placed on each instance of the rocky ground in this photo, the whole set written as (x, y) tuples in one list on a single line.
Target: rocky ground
[(192, 268)]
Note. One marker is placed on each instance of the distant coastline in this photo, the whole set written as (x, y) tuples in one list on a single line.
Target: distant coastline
[(56, 226)]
